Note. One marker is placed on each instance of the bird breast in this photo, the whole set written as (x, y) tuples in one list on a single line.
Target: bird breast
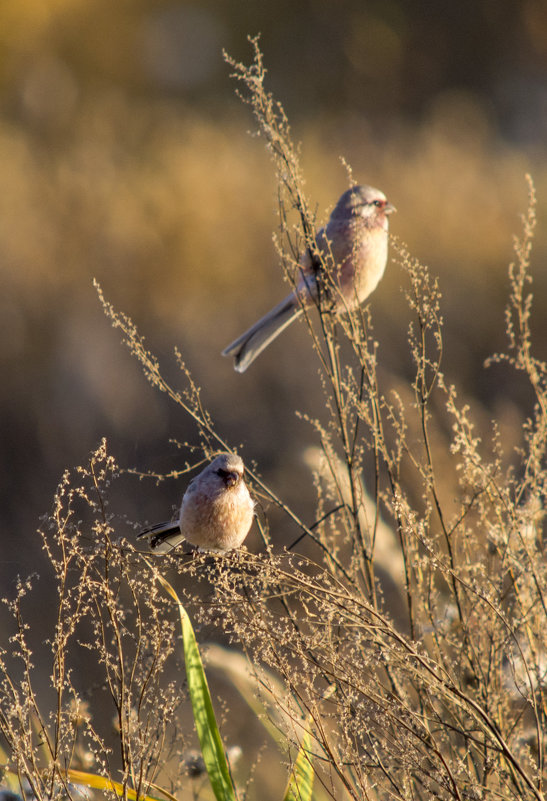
[(216, 518), (359, 252)]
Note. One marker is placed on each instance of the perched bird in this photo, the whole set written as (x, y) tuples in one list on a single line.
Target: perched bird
[(216, 511), (354, 241)]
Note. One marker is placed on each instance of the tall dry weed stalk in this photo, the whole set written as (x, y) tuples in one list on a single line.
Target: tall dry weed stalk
[(416, 510), (104, 635)]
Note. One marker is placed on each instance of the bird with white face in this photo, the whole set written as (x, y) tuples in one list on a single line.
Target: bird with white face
[(354, 241), (216, 511)]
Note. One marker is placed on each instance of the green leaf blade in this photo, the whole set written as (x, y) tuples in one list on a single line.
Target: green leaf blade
[(212, 749), (300, 786)]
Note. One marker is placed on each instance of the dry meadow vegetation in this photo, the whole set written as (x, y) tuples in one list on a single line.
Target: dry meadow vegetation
[(408, 637)]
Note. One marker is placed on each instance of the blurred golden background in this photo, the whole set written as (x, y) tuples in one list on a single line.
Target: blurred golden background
[(125, 156)]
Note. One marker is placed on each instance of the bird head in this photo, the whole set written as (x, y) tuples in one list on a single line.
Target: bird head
[(229, 467), (363, 201)]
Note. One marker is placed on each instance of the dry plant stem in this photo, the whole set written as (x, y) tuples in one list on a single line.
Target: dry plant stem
[(424, 300), (343, 418), (273, 125), (441, 680), (344, 394), (520, 306), (374, 419), (337, 394), (116, 676), (69, 610), (132, 660)]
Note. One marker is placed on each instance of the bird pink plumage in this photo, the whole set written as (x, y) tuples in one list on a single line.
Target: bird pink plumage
[(354, 241), (216, 511)]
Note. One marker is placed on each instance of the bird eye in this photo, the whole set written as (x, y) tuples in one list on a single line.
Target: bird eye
[(222, 473), (378, 203)]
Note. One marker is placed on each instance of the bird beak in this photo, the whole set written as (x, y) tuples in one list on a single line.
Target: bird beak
[(389, 208), (231, 479)]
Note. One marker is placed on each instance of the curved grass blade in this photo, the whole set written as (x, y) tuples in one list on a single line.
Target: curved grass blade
[(212, 749), (96, 782), (300, 786), (102, 783)]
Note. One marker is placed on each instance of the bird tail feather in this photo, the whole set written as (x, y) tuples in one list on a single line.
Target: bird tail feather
[(162, 537), (249, 345)]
